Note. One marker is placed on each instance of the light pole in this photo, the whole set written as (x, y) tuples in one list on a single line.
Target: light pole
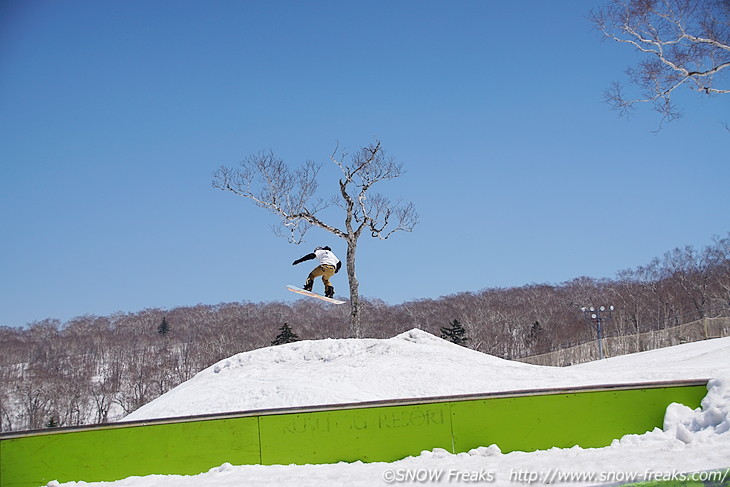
[(596, 315)]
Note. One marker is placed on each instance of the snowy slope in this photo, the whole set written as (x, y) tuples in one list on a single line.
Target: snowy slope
[(704, 359), (416, 364), (412, 364)]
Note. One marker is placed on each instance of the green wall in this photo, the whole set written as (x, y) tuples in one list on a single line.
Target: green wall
[(116, 453), (587, 419), (382, 431)]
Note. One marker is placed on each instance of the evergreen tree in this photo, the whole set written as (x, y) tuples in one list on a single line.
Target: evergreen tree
[(164, 327), (536, 332), (286, 335), (455, 334)]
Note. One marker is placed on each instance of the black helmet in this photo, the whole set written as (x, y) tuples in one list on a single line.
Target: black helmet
[(322, 248)]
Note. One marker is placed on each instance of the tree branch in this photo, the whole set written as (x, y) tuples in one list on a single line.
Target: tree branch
[(689, 41)]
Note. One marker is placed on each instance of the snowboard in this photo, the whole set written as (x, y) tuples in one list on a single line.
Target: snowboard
[(299, 290)]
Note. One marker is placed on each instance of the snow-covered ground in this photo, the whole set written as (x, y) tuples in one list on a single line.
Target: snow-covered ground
[(417, 364)]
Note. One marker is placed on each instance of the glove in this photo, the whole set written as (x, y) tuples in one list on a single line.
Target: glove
[(296, 262)]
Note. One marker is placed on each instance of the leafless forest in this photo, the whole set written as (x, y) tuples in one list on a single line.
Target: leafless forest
[(95, 369)]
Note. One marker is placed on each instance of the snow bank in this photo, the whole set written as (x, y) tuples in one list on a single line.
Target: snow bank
[(412, 364), (706, 423), (337, 371)]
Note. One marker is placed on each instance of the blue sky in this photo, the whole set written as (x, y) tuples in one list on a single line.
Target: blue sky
[(115, 114)]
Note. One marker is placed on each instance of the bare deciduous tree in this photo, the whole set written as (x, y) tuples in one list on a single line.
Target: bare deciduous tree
[(686, 42), (291, 195)]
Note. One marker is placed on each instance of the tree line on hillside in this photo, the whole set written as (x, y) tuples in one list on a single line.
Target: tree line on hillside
[(95, 369)]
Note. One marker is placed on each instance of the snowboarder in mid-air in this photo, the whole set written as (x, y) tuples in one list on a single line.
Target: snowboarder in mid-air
[(328, 266)]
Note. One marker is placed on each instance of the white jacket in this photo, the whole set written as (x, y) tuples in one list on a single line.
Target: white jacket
[(326, 257)]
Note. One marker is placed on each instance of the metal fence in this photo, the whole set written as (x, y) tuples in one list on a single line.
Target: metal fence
[(702, 329)]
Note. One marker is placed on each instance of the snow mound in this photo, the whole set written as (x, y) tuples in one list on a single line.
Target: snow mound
[(334, 371), (410, 365), (702, 424)]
